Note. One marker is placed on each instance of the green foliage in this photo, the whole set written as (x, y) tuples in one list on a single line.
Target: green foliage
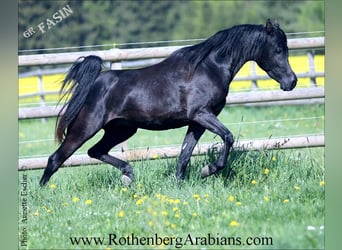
[(107, 22)]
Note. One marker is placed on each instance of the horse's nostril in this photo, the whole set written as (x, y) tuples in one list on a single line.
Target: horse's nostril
[(294, 81)]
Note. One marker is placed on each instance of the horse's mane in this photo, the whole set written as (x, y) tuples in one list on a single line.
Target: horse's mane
[(247, 37)]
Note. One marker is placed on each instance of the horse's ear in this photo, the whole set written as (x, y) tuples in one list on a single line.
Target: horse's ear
[(269, 27), (276, 23)]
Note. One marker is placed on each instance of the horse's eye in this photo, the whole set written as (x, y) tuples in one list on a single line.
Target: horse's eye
[(278, 50)]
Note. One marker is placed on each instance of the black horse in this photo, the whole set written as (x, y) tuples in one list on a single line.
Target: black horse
[(188, 88)]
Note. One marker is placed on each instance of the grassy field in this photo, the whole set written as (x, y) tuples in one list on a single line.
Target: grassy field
[(275, 197), (268, 199)]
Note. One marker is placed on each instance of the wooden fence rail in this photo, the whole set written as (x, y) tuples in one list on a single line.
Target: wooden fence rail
[(116, 55), (233, 98), (169, 152)]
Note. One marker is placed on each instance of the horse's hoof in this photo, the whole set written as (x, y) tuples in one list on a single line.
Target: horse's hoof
[(126, 181), (205, 171)]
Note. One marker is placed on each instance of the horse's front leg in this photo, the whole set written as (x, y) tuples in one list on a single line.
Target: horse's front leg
[(210, 122), (193, 134)]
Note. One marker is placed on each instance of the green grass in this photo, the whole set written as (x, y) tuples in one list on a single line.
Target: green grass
[(247, 201), (276, 197)]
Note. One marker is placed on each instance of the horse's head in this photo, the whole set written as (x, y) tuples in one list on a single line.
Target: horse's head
[(274, 57)]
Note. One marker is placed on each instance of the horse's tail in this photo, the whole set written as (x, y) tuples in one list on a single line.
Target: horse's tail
[(79, 79)]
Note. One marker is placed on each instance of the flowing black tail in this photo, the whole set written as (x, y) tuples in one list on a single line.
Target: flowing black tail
[(80, 77)]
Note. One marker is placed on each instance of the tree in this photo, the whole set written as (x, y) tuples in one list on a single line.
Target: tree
[(113, 21)]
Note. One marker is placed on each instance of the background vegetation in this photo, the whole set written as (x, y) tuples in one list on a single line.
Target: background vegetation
[(113, 21)]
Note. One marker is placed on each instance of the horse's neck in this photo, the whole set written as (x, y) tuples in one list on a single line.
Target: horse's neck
[(235, 59), (227, 67)]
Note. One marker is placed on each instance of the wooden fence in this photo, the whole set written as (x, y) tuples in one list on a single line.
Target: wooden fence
[(233, 98), (173, 151), (115, 56)]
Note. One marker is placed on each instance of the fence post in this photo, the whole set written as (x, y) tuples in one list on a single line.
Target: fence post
[(311, 55), (41, 92), (117, 64), (253, 76)]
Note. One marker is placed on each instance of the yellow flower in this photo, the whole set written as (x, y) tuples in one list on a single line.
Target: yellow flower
[(150, 223), (36, 213), (206, 195), (65, 204), (266, 171), (234, 223), (231, 198), (139, 202), (135, 196), (195, 214), (177, 201), (321, 183), (286, 201), (177, 215), (185, 203), (173, 225), (171, 201), (238, 203), (121, 214), (175, 209), (88, 202), (197, 197), (52, 186), (296, 187), (165, 213), (254, 182), (167, 223), (156, 156), (75, 199), (123, 189), (266, 198), (48, 210), (274, 158)]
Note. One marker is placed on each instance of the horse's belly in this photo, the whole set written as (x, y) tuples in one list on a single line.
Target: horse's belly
[(161, 124)]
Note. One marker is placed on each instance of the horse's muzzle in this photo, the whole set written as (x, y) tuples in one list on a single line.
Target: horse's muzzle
[(290, 85)]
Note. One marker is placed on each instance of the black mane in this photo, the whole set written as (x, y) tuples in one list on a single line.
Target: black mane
[(246, 37)]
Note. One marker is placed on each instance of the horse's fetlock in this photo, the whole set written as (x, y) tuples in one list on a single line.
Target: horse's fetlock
[(229, 138)]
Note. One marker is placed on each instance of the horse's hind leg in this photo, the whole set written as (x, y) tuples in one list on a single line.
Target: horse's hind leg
[(114, 135), (73, 140)]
